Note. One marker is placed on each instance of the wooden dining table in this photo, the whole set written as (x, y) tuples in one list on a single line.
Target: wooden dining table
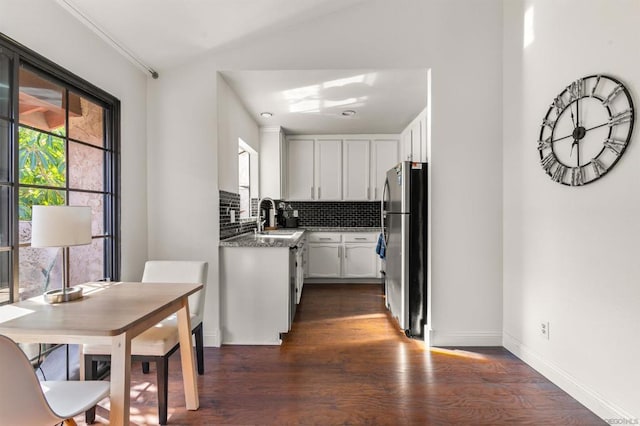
[(109, 313)]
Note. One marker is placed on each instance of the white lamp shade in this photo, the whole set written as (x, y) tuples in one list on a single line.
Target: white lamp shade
[(60, 226)]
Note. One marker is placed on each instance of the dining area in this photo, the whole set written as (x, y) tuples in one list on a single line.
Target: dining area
[(119, 321)]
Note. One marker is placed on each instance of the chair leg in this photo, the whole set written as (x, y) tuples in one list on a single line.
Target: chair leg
[(69, 422), (200, 348), (145, 367), (90, 373), (162, 367)]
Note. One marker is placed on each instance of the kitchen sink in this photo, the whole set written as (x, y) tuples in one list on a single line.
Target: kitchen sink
[(279, 234), (282, 232)]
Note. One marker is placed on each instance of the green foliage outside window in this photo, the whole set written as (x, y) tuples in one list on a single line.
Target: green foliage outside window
[(41, 162)]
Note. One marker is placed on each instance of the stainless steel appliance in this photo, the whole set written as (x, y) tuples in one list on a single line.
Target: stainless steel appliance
[(404, 223)]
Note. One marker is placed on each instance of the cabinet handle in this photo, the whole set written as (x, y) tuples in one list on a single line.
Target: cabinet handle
[(375, 193), (368, 193), (312, 192), (361, 238), (325, 239), (339, 252), (345, 252), (318, 193)]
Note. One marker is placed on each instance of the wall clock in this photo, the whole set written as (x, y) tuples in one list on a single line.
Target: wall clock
[(586, 130)]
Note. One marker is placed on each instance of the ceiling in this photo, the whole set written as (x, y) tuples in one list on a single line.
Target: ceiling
[(167, 33), (312, 101)]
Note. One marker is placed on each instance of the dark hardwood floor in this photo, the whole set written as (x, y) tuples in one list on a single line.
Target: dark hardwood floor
[(345, 363)]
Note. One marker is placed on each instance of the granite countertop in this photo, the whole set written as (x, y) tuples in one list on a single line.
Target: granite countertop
[(340, 229), (249, 239)]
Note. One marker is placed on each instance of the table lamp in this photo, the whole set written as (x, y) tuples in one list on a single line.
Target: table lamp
[(61, 226)]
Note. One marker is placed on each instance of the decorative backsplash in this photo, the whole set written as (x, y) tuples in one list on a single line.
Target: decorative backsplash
[(312, 213), (230, 201), (337, 213)]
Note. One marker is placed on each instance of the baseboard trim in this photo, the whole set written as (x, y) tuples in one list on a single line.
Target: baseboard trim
[(212, 340), (582, 393), (465, 338)]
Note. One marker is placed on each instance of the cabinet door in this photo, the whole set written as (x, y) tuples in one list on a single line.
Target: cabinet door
[(416, 140), (360, 261), (300, 169), (329, 169), (406, 145), (385, 156), (324, 260), (355, 171)]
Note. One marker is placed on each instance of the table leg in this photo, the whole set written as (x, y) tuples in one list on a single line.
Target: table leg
[(120, 380), (186, 356)]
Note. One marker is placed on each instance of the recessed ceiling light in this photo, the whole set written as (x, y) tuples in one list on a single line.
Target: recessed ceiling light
[(266, 114), (348, 112)]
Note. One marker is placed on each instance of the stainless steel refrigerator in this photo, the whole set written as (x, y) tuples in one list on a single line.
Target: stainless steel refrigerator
[(404, 221)]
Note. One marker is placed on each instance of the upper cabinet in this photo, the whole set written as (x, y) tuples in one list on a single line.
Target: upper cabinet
[(339, 167), (273, 159), (384, 157), (414, 139), (300, 169), (355, 169), (328, 162)]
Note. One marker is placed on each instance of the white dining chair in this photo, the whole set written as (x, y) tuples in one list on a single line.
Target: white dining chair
[(26, 401), (158, 343)]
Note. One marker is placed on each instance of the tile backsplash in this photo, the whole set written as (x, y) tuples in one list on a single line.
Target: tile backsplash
[(312, 213), (337, 213), (230, 201)]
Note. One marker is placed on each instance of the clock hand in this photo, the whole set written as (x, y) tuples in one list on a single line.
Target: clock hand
[(585, 130), (573, 120)]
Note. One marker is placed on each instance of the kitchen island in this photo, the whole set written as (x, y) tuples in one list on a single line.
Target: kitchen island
[(260, 285)]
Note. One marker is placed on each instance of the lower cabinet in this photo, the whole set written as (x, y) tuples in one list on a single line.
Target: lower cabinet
[(359, 261), (342, 255), (324, 260)]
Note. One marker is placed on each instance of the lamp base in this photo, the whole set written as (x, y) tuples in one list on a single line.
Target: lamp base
[(60, 296)]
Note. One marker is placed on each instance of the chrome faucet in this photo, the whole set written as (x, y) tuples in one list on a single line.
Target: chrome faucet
[(259, 222)]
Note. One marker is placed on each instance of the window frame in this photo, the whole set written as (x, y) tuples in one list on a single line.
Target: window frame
[(21, 55)]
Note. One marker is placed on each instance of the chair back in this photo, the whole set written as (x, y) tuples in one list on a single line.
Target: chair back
[(180, 271), (22, 401)]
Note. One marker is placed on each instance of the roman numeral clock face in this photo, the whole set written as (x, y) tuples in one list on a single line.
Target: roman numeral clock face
[(586, 130)]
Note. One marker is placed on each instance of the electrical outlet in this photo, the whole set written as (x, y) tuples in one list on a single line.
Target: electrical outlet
[(232, 216), (544, 329), (295, 213)]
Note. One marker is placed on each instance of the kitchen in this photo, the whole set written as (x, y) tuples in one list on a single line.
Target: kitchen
[(318, 145)]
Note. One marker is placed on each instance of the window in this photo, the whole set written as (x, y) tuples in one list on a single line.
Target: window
[(247, 175), (58, 145)]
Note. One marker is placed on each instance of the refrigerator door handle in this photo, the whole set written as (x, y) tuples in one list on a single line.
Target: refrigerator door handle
[(382, 212)]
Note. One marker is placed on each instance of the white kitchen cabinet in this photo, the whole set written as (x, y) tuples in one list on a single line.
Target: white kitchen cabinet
[(414, 139), (324, 260), (343, 255), (339, 167), (272, 158), (257, 294), (328, 162), (359, 261), (356, 169), (384, 157), (300, 169), (406, 145)]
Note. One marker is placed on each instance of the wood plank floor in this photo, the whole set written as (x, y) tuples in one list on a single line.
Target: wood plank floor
[(346, 363)]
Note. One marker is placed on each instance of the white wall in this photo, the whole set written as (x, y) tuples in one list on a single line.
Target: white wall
[(49, 30), (461, 40), (571, 254), (183, 175), (233, 122)]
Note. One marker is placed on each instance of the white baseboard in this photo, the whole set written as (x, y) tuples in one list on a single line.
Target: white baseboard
[(466, 338), (582, 393), (212, 340)]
